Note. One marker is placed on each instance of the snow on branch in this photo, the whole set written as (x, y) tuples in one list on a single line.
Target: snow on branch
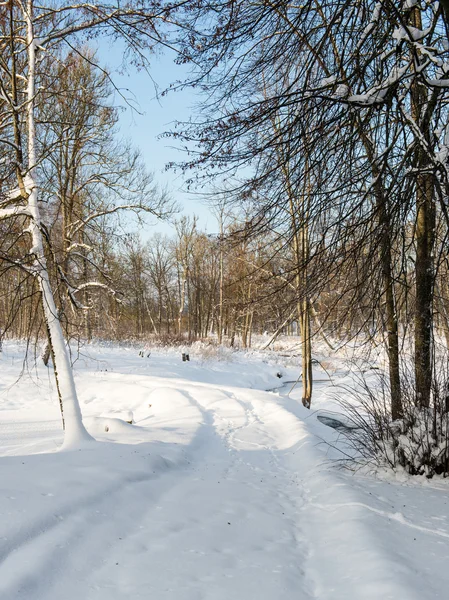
[(79, 246), (16, 193), (16, 211), (93, 284), (72, 292), (378, 92)]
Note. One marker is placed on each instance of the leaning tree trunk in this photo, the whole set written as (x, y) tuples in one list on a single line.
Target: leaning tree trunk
[(278, 330), (299, 214), (74, 428)]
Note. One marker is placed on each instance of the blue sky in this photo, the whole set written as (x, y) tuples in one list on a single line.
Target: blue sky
[(154, 116)]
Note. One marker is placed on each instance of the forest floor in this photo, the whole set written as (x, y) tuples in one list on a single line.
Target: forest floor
[(220, 490)]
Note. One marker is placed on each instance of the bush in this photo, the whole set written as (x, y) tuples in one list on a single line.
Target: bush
[(211, 350), (167, 340), (417, 443)]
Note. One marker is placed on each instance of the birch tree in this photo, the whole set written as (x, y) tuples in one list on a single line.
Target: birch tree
[(33, 32)]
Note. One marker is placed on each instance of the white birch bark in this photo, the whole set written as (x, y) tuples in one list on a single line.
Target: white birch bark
[(75, 433)]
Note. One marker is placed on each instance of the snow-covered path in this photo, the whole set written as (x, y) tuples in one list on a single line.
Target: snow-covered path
[(218, 492), (229, 518), (223, 525)]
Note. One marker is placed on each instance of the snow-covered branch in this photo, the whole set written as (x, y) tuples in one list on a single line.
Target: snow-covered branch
[(15, 211)]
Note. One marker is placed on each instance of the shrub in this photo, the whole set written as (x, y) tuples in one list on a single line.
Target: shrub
[(211, 350), (417, 443)]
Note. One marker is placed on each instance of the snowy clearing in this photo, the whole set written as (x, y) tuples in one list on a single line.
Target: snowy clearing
[(218, 490)]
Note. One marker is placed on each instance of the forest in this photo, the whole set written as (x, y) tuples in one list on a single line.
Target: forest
[(319, 143), (323, 132)]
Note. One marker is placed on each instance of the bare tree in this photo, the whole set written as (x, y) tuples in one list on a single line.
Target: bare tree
[(33, 33)]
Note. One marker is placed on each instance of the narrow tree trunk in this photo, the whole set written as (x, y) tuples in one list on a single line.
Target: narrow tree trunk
[(384, 220), (299, 208), (233, 329), (306, 352), (392, 333), (250, 335), (424, 237), (87, 316), (304, 318), (220, 317), (425, 219), (189, 306), (301, 254), (181, 305), (390, 303)]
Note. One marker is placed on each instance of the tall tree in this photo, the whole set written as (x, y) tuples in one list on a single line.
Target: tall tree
[(32, 33)]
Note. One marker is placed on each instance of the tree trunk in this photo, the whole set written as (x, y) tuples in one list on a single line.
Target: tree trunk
[(392, 333), (74, 428), (306, 352), (182, 288), (424, 237), (304, 313), (390, 303), (301, 254), (425, 219), (220, 316)]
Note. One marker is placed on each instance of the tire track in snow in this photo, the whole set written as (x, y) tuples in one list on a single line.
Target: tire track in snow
[(224, 532), (295, 502), (69, 523), (291, 508)]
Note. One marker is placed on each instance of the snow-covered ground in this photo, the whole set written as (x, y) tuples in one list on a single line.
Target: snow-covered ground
[(219, 490)]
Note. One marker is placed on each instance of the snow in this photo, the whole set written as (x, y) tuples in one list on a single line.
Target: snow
[(402, 33), (328, 81), (16, 193), (218, 490)]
